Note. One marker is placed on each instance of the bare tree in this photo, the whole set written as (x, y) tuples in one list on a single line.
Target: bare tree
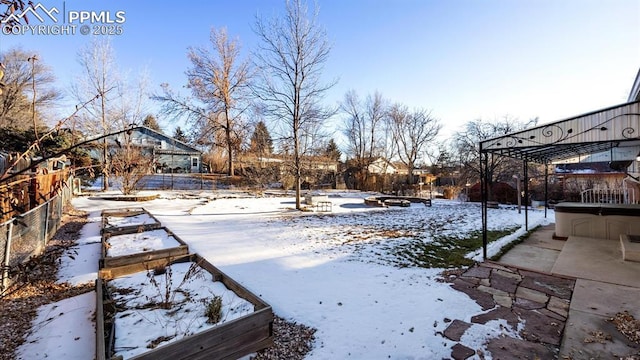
[(363, 129), (122, 104), (28, 90), (98, 76), (467, 144), (413, 131), (290, 59), (220, 79), (130, 164)]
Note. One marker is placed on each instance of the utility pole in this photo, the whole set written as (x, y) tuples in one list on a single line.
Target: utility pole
[(33, 60)]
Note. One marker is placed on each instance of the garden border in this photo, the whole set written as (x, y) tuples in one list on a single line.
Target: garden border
[(230, 340), (118, 264), (120, 230)]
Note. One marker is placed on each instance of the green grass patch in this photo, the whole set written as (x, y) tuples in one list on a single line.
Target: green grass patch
[(510, 245), (445, 251)]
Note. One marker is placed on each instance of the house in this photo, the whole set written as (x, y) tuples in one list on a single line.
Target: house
[(424, 176), (315, 171), (581, 176), (169, 154), (381, 166)]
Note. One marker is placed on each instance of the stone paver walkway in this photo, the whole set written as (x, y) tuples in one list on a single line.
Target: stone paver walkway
[(538, 300)]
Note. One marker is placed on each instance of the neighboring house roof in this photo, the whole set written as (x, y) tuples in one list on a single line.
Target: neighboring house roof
[(381, 166), (307, 162), (167, 144), (586, 168)]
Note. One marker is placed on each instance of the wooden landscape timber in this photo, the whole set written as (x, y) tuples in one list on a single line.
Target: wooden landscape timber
[(129, 212), (113, 266)]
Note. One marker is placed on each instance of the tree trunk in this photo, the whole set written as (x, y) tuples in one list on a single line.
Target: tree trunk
[(105, 166), (296, 161), (229, 143)]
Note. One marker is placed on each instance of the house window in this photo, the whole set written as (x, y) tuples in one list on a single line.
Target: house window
[(194, 162)]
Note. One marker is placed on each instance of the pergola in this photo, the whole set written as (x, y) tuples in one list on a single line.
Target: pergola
[(612, 134)]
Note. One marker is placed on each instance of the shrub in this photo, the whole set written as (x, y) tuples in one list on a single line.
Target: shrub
[(213, 312)]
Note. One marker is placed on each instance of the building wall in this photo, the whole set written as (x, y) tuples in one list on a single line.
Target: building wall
[(580, 182), (169, 155), (175, 163)]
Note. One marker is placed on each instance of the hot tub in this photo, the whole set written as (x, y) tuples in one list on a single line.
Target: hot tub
[(601, 221)]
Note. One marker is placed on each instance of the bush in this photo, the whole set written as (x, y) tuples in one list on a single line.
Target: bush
[(213, 312)]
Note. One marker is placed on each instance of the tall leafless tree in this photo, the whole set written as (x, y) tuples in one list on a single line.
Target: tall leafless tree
[(363, 128), (219, 78), (27, 84), (290, 58), (122, 101), (100, 76), (413, 131)]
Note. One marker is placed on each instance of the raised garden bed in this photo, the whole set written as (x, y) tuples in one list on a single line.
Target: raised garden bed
[(123, 251), (126, 221), (162, 310)]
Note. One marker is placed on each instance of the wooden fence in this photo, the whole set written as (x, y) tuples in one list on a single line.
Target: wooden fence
[(27, 192)]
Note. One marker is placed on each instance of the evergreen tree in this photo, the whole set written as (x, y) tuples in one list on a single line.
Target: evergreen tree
[(261, 142), (179, 135), (332, 151), (151, 122)]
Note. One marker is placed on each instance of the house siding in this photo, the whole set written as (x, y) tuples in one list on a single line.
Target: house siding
[(170, 154)]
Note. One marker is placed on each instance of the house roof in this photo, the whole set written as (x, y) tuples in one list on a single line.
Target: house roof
[(167, 138), (616, 127), (634, 95)]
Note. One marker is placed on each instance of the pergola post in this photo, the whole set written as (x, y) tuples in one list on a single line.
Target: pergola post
[(526, 194), (484, 199), (546, 188)]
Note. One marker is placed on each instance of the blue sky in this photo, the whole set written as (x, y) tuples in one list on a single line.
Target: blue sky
[(462, 59)]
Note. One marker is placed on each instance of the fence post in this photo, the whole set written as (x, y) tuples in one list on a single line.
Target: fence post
[(46, 222), (7, 253)]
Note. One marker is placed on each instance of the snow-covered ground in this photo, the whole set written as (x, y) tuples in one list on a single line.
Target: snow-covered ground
[(340, 272)]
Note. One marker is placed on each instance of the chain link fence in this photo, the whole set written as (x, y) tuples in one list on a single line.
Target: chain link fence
[(26, 235)]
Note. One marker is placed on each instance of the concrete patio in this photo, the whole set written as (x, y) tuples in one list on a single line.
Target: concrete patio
[(605, 285)]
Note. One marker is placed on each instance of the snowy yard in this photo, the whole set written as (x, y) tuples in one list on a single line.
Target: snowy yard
[(365, 278)]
